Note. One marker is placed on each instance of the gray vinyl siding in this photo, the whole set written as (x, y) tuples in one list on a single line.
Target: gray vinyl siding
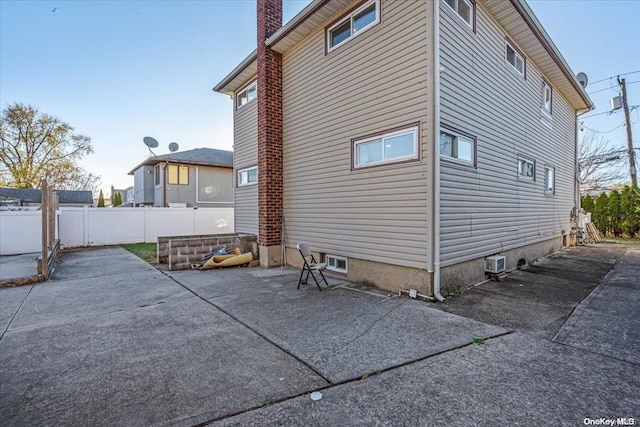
[(245, 154), (374, 82), (486, 210)]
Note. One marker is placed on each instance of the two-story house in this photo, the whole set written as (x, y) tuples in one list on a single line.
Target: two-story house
[(200, 177), (405, 141)]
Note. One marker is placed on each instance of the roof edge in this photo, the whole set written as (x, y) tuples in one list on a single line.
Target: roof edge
[(236, 71), (302, 16), (536, 27)]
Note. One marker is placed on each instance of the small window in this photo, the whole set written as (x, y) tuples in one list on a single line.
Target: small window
[(549, 180), (391, 147), (355, 23), (465, 9), (246, 95), (516, 59), (178, 175), (459, 147), (547, 97), (526, 168), (157, 174), (336, 263), (248, 176)]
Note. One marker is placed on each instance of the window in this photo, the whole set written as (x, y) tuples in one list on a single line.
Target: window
[(390, 147), (247, 94), (547, 97), (516, 59), (459, 147), (355, 23), (549, 180), (178, 175), (527, 168), (336, 263), (157, 174), (464, 8), (248, 176)]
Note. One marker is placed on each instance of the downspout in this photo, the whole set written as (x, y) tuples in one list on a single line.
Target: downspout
[(436, 152)]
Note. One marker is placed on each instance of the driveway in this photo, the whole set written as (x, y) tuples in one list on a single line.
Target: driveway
[(112, 341)]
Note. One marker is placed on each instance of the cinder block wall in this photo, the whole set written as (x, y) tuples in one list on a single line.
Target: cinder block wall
[(180, 252)]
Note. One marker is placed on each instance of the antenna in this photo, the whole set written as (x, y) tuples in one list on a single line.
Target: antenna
[(150, 143), (583, 80), (173, 147)]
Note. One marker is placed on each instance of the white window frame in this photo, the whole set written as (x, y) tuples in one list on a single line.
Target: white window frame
[(521, 160), (516, 55), (246, 171), (247, 89), (413, 130), (457, 136), (456, 9), (328, 259), (549, 191), (349, 18), (547, 102)]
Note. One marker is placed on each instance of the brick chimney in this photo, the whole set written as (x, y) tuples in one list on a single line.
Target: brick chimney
[(270, 194)]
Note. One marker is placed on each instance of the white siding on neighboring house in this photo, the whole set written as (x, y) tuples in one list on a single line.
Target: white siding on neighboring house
[(372, 83), (245, 140), (488, 210)]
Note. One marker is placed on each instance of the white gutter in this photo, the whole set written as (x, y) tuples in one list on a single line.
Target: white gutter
[(436, 152)]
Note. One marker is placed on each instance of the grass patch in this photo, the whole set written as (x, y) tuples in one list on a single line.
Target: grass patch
[(478, 341), (145, 251), (625, 240)]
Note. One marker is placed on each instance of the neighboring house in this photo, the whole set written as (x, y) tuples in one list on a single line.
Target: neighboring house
[(126, 195), (200, 177), (33, 197), (405, 141)]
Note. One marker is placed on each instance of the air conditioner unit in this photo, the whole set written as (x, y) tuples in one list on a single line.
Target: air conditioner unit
[(494, 264)]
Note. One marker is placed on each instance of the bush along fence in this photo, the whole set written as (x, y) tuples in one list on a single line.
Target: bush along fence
[(617, 213)]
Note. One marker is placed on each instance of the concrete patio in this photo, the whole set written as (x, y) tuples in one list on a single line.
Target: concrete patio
[(112, 341)]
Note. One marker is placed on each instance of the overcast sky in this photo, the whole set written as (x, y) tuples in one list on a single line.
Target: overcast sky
[(121, 70)]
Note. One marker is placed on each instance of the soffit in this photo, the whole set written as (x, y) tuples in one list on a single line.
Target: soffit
[(523, 28)]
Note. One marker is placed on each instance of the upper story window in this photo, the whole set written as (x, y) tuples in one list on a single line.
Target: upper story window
[(465, 9), (178, 175), (247, 94), (547, 97), (157, 174), (390, 147), (248, 176), (516, 59), (526, 168), (461, 148), (353, 24)]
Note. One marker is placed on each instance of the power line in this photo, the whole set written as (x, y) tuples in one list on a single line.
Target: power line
[(597, 131), (631, 108), (610, 88), (618, 75)]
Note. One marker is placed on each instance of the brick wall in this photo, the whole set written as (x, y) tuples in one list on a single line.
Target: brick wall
[(270, 192)]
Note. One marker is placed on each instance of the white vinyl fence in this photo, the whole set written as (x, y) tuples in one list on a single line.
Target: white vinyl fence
[(20, 232)]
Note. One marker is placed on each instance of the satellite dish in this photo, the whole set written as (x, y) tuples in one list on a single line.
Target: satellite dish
[(173, 147), (583, 79), (150, 142)]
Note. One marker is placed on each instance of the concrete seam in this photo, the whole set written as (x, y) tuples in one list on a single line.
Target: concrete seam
[(252, 330), (16, 313)]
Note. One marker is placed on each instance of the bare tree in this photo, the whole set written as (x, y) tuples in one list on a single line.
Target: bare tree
[(599, 165), (36, 146)]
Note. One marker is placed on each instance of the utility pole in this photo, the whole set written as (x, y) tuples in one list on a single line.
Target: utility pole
[(632, 159)]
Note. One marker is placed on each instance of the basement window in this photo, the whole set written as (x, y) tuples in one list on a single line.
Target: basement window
[(247, 95), (336, 263), (363, 18)]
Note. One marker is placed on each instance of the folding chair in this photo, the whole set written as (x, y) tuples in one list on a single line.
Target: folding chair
[(310, 265)]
